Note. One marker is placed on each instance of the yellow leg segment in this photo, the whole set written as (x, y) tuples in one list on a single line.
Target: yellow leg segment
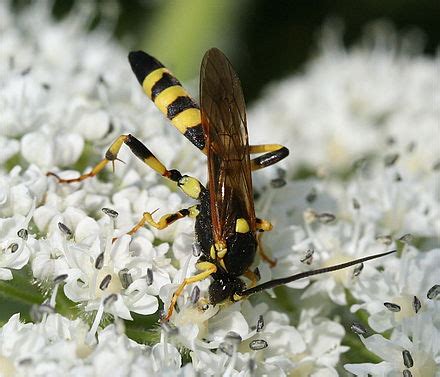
[(264, 148), (139, 149), (94, 171), (271, 262), (189, 185), (208, 269), (165, 220), (111, 155), (263, 225), (252, 276)]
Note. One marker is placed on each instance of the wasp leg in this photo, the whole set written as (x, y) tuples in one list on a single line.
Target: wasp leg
[(165, 220), (271, 262), (207, 269), (111, 155), (189, 185), (262, 226), (272, 154), (139, 149), (252, 276)]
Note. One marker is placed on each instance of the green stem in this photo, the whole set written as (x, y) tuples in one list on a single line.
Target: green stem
[(141, 335), (358, 352), (143, 328), (64, 306), (20, 294)]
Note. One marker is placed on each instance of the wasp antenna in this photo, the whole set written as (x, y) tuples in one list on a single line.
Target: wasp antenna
[(302, 275)]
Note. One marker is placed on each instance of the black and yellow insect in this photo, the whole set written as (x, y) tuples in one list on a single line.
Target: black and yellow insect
[(226, 226)]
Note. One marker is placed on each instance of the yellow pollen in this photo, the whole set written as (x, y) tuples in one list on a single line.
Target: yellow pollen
[(115, 285)]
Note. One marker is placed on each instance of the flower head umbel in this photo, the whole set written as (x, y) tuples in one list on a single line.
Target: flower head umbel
[(394, 296), (59, 346), (412, 350)]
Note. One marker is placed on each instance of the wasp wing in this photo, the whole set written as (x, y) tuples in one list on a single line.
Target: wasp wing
[(224, 122)]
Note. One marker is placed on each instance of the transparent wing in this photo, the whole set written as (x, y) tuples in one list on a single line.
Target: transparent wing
[(224, 123)]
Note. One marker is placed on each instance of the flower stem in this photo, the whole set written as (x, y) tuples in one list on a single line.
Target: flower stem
[(20, 290)]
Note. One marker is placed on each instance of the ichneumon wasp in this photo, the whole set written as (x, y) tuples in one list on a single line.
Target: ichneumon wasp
[(226, 227)]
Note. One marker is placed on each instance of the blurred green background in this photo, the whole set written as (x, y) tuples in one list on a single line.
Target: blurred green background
[(265, 40)]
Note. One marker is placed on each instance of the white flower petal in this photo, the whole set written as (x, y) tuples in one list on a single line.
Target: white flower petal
[(5, 274)]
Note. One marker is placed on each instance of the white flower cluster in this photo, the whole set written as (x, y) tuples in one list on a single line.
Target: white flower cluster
[(381, 96), (66, 94), (58, 346)]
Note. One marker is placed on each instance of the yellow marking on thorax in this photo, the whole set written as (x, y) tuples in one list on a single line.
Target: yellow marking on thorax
[(187, 118), (152, 78), (221, 249), (218, 251), (168, 96), (241, 226), (212, 252), (190, 186), (222, 263)]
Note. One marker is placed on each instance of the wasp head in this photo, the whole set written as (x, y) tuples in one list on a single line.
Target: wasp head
[(224, 288)]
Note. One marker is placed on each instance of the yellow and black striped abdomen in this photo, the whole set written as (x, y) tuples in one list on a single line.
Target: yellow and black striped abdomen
[(169, 96)]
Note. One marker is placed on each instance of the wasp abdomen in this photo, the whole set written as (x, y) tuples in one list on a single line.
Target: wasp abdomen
[(169, 96)]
